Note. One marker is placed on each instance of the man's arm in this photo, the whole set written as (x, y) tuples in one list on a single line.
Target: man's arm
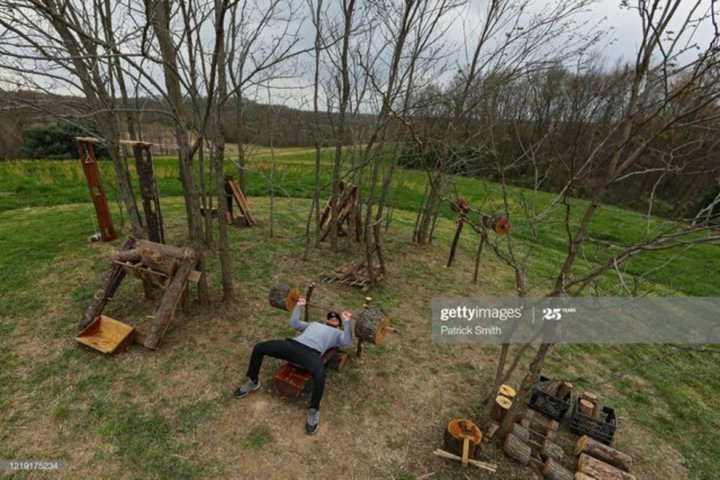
[(295, 321), (346, 338)]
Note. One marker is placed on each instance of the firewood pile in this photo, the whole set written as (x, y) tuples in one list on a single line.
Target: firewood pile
[(354, 275), (534, 438)]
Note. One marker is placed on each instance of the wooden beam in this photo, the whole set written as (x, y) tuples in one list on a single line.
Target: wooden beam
[(170, 300)]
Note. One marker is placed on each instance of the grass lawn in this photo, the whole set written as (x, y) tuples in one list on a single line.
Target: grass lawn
[(170, 413)]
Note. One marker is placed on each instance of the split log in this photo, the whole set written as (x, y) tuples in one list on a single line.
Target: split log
[(455, 434), (516, 449), (500, 407), (284, 297), (371, 326), (586, 408), (599, 469), (551, 450), (602, 452), (552, 470), (170, 300), (507, 391), (590, 397)]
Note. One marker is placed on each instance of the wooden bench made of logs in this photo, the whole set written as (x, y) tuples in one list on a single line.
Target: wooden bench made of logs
[(290, 380)]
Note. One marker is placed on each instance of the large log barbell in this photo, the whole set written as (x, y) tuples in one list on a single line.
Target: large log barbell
[(370, 325)]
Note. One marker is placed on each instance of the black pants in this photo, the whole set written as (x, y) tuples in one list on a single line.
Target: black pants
[(296, 353)]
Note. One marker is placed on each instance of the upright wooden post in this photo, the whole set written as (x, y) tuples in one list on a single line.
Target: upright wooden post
[(148, 190), (86, 148)]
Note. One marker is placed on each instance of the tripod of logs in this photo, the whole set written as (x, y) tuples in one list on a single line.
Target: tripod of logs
[(370, 325)]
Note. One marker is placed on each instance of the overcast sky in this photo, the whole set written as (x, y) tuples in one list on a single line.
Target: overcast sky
[(621, 26)]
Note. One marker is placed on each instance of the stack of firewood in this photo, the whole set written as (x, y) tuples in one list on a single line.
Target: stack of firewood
[(353, 274)]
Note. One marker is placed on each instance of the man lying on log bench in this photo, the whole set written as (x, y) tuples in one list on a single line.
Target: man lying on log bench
[(306, 351)]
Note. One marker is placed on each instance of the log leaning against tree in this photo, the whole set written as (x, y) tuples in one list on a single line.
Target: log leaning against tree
[(601, 470), (603, 453)]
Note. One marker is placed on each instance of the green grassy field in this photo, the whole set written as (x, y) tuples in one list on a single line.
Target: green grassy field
[(170, 414)]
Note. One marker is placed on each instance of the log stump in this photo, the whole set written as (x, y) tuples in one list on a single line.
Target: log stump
[(455, 434), (603, 453), (516, 449), (283, 296), (599, 469), (552, 470), (371, 326), (500, 407)]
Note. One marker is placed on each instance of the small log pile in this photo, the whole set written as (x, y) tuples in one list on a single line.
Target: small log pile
[(592, 418), (354, 275), (598, 461)]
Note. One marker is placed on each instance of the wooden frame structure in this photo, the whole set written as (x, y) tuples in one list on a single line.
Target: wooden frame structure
[(241, 201), (166, 267), (86, 149), (148, 188)]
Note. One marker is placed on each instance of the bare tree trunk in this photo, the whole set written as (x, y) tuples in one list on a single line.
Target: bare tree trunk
[(159, 16), (348, 12), (219, 154)]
